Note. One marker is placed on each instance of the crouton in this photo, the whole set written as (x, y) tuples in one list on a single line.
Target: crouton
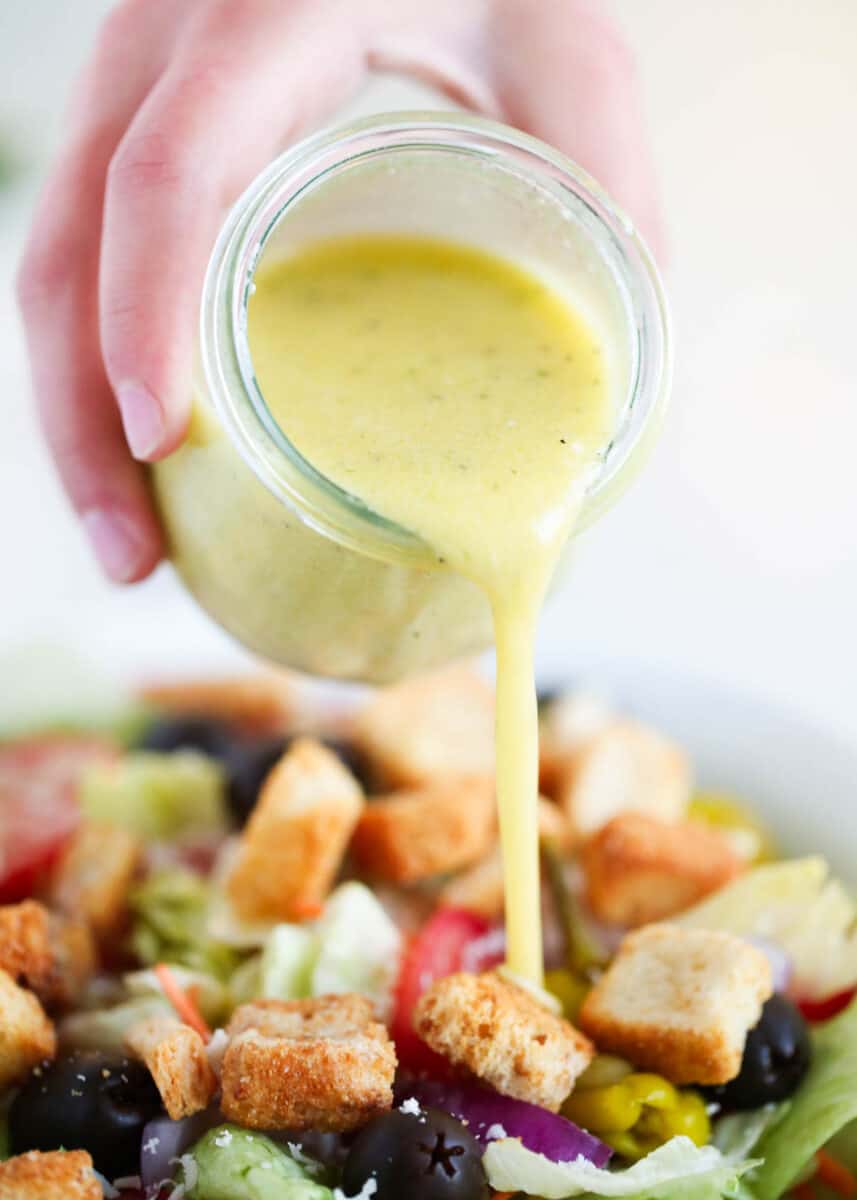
[(177, 1061), (565, 724), (625, 766), (50, 954), (307, 1064), (263, 703), (639, 869), (680, 1002), (27, 1037), (56, 1175), (94, 876), (479, 889), (441, 723), (501, 1034), (430, 830), (295, 840)]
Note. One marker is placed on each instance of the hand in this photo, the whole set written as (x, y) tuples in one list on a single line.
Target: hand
[(182, 103)]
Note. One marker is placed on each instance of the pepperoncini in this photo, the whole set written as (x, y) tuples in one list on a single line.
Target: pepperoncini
[(748, 836), (639, 1113), (571, 990)]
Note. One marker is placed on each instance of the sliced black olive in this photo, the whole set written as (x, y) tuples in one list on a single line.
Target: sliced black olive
[(86, 1102), (777, 1056), (424, 1156)]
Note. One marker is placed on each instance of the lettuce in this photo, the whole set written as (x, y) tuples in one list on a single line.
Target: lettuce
[(157, 795), (737, 1135), (359, 947), (678, 1170), (800, 908), (823, 1105), (169, 911), (212, 997), (104, 1029), (286, 966)]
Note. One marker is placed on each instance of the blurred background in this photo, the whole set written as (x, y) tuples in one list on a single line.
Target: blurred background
[(734, 558)]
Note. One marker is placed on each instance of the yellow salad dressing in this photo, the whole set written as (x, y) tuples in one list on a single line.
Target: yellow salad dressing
[(460, 397)]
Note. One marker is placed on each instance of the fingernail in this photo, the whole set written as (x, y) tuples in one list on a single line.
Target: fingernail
[(117, 546), (142, 417)]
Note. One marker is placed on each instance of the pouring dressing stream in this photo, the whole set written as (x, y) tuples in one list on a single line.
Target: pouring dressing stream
[(456, 395)]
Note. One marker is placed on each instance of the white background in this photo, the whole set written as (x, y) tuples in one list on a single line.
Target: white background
[(735, 557)]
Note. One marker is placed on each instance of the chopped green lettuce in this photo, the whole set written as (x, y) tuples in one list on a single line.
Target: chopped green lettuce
[(157, 795), (678, 1170), (169, 911), (230, 1162), (738, 1134), (286, 966), (800, 908), (105, 1028), (211, 995), (223, 922), (359, 946), (245, 983), (823, 1105)]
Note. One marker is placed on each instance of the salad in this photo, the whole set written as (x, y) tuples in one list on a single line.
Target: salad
[(252, 948)]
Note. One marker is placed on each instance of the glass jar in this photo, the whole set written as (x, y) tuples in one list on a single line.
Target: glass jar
[(298, 569)]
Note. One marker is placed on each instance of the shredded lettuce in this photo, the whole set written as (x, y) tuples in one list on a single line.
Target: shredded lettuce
[(169, 911), (800, 908), (286, 966), (104, 1029), (359, 947), (678, 1170), (823, 1105), (738, 1134), (224, 923), (156, 795), (211, 995)]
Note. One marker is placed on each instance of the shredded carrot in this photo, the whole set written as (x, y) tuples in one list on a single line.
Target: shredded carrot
[(835, 1175), (184, 1005), (307, 910), (804, 1191)]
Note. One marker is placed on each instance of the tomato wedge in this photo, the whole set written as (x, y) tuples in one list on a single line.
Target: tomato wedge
[(38, 805), (817, 1011), (451, 940)]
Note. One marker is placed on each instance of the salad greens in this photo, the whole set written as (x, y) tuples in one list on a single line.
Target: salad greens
[(104, 1029), (801, 909), (157, 795), (230, 1162), (678, 1170), (169, 911)]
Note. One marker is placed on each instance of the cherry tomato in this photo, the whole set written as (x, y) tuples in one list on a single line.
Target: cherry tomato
[(451, 940), (816, 1011), (38, 808)]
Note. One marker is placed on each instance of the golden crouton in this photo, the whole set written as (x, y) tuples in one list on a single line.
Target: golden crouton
[(429, 830), (501, 1034), (176, 1058), (50, 954), (567, 723), (639, 869), (295, 840), (94, 877), (307, 1064), (263, 703), (27, 1037), (479, 889), (625, 766), (57, 1175), (441, 723), (680, 1002)]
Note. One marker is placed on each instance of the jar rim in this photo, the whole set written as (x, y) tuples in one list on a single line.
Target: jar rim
[(224, 347)]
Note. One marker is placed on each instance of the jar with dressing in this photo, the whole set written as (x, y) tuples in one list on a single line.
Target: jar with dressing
[(272, 544)]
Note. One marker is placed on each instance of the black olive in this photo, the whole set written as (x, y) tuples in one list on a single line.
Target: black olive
[(247, 763), (776, 1058), (86, 1102), (545, 698), (190, 732), (425, 1156)]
